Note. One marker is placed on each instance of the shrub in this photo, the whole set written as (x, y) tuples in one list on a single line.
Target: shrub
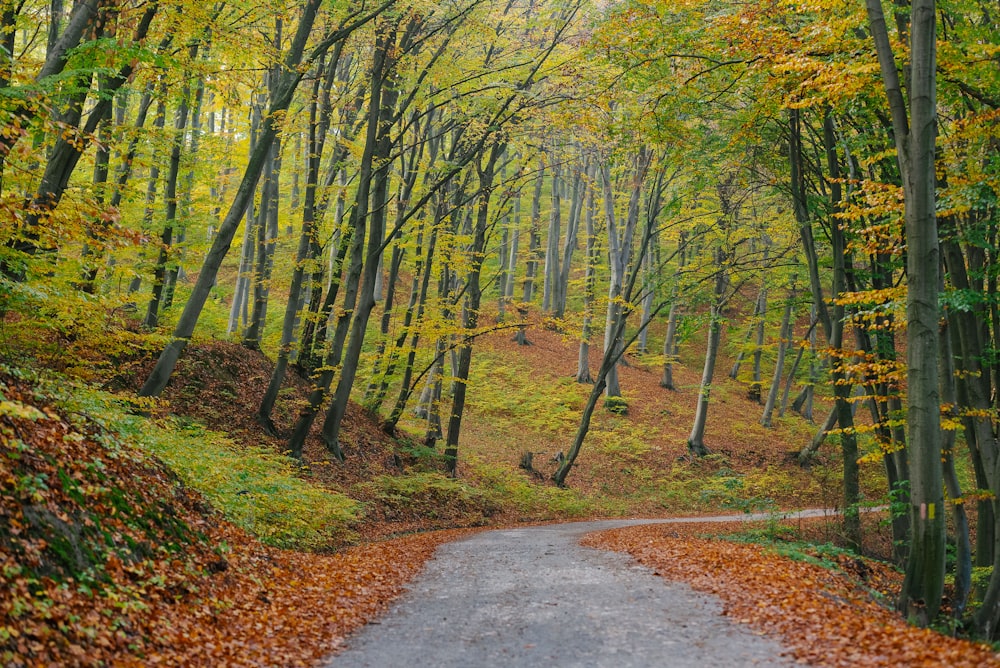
[(616, 405), (426, 494), (255, 489)]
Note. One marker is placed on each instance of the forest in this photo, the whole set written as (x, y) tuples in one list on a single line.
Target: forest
[(425, 265)]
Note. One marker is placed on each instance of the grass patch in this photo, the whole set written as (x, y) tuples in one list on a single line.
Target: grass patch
[(256, 489)]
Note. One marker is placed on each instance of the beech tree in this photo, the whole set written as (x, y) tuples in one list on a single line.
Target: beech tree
[(291, 74), (915, 131)]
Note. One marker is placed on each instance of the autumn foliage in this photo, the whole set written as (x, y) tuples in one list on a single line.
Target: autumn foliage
[(828, 617), (108, 559)]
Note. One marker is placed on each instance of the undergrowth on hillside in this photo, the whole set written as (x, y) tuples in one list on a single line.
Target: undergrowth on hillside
[(84, 516), (531, 499), (430, 495), (256, 489), (509, 389)]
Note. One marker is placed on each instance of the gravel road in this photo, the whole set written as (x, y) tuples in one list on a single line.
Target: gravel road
[(534, 597)]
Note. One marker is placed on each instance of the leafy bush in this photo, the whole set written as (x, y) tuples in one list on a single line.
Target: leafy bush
[(426, 494), (60, 327), (624, 442), (256, 489), (730, 490), (540, 500)]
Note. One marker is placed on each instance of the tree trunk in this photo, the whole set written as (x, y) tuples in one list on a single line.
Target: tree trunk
[(741, 353), (418, 299), (175, 269), (620, 251), (649, 294), (960, 521), (291, 74), (758, 349), (552, 271), (314, 331), (535, 238), (102, 159), (833, 326), (352, 279), (318, 126), (170, 218), (785, 338), (670, 340), (696, 441), (471, 311), (125, 168), (923, 584), (267, 221), (515, 238), (583, 360), (502, 254), (572, 230), (379, 387), (382, 119), (795, 368), (670, 347), (972, 396), (239, 309), (803, 404)]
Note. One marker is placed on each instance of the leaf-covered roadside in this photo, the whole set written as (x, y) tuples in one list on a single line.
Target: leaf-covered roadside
[(284, 608), (824, 618), (107, 559)]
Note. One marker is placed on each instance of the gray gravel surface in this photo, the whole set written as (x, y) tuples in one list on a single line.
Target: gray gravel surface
[(535, 597)]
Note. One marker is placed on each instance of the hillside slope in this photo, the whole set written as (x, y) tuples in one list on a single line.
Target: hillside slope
[(109, 559)]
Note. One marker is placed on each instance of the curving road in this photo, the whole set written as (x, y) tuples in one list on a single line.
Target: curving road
[(535, 597)]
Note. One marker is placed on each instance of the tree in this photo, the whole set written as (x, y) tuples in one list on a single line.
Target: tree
[(914, 128), (291, 74), (621, 246)]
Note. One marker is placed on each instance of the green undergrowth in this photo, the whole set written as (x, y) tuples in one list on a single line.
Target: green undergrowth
[(508, 389), (254, 488), (428, 494), (536, 500)]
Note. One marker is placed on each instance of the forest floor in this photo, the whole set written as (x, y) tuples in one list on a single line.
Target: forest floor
[(170, 582)]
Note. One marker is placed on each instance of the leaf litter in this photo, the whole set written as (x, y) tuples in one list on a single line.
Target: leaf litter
[(824, 617), (106, 559), (172, 583)]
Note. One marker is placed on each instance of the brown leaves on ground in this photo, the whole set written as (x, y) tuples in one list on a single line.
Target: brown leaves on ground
[(825, 618), (106, 559), (278, 608), (221, 384)]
